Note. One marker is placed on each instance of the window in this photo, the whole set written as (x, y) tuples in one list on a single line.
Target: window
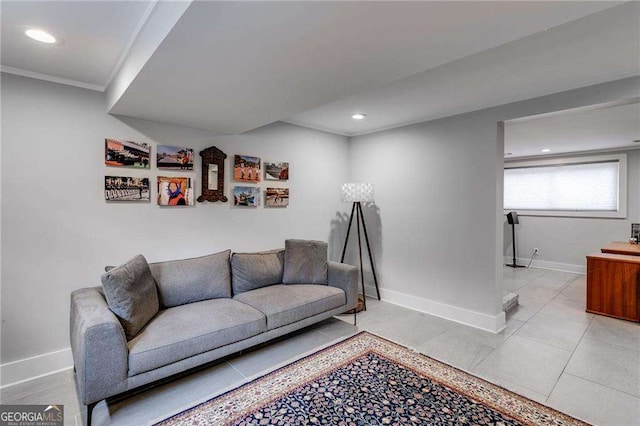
[(580, 186)]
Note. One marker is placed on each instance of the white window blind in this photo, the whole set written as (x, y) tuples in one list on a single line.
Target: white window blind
[(564, 187)]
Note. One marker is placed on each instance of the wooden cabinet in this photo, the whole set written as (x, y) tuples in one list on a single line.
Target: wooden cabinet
[(618, 247), (613, 285)]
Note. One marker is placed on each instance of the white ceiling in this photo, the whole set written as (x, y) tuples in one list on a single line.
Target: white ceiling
[(595, 49), (96, 36), (235, 66), (590, 129)]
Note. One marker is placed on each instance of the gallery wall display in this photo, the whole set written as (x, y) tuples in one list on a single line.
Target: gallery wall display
[(276, 171), (246, 168), (246, 196), (126, 188), (174, 157), (126, 154), (276, 197), (175, 191)]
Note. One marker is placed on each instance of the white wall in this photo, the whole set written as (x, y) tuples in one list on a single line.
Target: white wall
[(565, 241), (439, 204), (58, 233)]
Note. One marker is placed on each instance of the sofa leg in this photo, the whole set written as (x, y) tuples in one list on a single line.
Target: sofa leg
[(355, 320), (90, 408)]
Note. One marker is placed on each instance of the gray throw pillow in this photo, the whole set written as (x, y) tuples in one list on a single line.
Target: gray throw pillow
[(250, 271), (131, 294), (192, 280), (305, 262)]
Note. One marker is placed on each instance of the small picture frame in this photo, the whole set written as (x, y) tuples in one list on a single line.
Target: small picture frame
[(246, 169), (278, 171), (246, 196), (635, 232), (126, 188), (276, 197), (174, 157), (175, 191), (126, 154)]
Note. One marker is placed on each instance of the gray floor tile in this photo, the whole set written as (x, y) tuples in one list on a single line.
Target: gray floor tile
[(543, 294), (526, 308), (567, 309), (594, 403), (614, 331), (553, 280), (465, 347), (411, 330), (455, 350), (21, 390), (576, 291), (535, 396), (526, 363), (609, 365), (335, 328), (557, 332), (164, 401), (266, 358), (63, 394)]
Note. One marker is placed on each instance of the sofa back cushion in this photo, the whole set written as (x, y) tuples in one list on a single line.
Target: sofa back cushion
[(192, 280), (250, 271), (305, 262), (131, 294)]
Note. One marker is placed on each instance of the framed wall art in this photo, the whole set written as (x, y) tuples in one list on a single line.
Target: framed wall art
[(174, 157), (126, 154), (246, 196), (212, 175), (276, 197), (175, 191), (246, 168), (126, 188), (276, 171)]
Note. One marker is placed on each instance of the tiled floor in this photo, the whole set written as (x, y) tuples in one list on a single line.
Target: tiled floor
[(551, 351)]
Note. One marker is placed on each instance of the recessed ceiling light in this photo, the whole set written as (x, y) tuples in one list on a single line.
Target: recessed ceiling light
[(546, 150), (358, 116), (40, 35)]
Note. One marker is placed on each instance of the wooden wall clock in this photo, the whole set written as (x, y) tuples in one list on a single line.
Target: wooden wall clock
[(212, 175)]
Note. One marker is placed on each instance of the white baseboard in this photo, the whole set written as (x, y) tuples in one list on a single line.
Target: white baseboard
[(493, 324), (545, 264), (26, 369)]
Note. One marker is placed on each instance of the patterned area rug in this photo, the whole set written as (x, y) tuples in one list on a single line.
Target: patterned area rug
[(368, 380)]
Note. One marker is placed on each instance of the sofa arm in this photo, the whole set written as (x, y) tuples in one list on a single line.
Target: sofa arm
[(99, 346), (345, 277)]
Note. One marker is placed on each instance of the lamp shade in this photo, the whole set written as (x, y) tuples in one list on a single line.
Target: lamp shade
[(357, 192)]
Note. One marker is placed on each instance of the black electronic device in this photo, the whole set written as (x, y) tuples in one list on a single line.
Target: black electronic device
[(512, 218)]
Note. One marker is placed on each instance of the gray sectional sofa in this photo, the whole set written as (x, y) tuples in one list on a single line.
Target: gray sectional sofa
[(149, 322)]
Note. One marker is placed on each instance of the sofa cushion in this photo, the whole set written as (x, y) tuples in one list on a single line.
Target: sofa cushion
[(131, 294), (192, 280), (187, 330), (305, 262), (286, 304), (250, 271)]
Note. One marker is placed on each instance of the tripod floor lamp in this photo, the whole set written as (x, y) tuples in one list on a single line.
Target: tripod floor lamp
[(512, 219), (358, 193)]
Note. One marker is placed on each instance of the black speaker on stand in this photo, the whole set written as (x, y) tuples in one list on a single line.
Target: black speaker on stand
[(512, 218)]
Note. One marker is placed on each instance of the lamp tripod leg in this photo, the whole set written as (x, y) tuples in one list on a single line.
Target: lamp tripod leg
[(366, 237), (346, 240), (364, 294)]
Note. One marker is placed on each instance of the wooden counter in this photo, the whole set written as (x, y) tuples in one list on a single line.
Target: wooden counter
[(613, 285), (618, 247)]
